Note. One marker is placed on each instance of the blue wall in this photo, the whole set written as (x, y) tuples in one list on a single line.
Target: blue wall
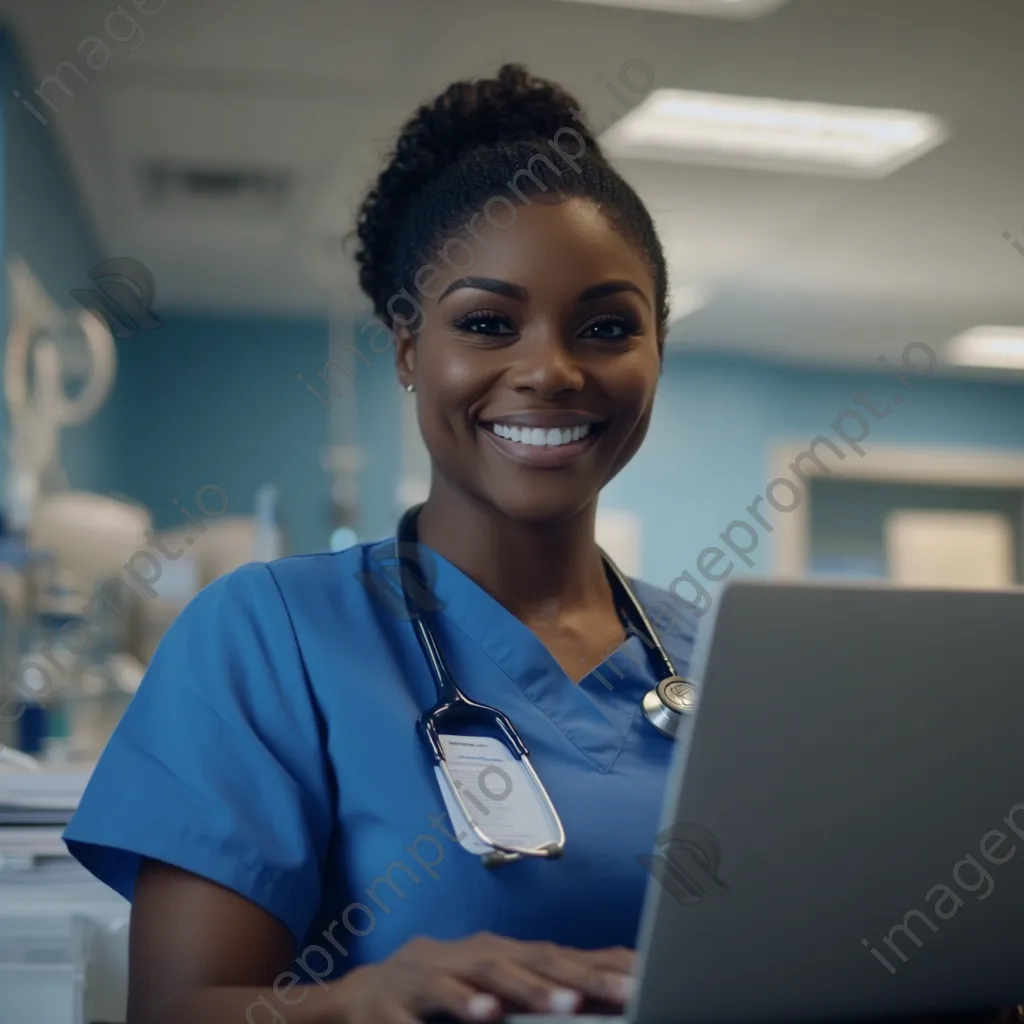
[(214, 400), (718, 419)]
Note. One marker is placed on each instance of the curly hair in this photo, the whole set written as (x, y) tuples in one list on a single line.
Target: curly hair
[(467, 150)]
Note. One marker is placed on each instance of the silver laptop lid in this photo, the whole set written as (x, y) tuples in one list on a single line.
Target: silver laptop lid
[(844, 836)]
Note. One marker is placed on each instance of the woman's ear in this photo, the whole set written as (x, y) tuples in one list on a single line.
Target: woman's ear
[(405, 356)]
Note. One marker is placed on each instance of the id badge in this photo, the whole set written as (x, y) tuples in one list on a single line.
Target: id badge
[(499, 795)]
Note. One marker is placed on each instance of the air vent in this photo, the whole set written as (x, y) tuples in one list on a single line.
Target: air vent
[(166, 184)]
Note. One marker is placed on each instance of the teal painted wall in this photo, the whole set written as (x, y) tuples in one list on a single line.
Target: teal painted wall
[(214, 400), (718, 420)]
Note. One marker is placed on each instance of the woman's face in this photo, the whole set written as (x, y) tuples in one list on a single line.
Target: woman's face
[(536, 363)]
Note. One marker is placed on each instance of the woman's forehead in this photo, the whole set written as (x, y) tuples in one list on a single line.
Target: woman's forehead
[(564, 246)]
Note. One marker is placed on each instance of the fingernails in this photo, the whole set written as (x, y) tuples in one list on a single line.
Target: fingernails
[(620, 987), (482, 1006), (563, 1001)]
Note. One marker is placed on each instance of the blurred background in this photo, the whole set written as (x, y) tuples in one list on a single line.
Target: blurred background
[(192, 379)]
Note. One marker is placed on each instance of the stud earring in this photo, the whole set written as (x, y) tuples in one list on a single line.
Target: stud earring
[(410, 388)]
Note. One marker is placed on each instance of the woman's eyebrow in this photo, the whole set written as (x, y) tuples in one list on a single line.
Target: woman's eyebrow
[(520, 294), (601, 291), (486, 284)]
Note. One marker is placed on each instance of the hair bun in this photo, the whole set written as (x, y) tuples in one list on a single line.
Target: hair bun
[(511, 107)]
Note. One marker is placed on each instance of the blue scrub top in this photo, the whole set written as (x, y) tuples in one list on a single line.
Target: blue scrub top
[(272, 748)]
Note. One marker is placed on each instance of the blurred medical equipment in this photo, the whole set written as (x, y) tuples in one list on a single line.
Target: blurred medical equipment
[(65, 655), (89, 536), (199, 555), (38, 362), (79, 626), (226, 543)]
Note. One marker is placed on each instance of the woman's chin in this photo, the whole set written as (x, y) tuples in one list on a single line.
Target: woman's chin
[(547, 508)]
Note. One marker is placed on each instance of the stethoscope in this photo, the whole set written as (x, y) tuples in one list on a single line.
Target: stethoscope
[(664, 706)]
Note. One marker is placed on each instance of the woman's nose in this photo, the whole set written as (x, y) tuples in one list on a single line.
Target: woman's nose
[(547, 366)]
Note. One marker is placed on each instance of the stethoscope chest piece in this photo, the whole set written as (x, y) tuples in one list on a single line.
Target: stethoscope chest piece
[(668, 702)]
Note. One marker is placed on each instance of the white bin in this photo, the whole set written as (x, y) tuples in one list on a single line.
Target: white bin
[(44, 962)]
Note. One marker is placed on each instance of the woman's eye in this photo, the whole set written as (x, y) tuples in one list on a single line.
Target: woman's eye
[(611, 329), (490, 324)]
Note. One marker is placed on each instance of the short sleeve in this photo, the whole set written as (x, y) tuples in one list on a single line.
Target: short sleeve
[(217, 766)]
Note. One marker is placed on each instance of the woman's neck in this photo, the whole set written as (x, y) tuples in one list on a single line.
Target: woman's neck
[(534, 570)]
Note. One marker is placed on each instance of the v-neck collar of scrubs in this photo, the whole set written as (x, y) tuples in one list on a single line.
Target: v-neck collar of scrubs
[(596, 714)]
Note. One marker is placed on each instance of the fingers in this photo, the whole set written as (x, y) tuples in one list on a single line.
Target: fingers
[(617, 967), (521, 985), (605, 975), (617, 959), (469, 980), (449, 995)]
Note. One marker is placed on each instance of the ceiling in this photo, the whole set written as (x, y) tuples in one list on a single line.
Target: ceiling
[(797, 267)]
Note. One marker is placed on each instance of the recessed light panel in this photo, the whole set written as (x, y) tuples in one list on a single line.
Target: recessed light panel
[(685, 300), (999, 348), (768, 134), (716, 8)]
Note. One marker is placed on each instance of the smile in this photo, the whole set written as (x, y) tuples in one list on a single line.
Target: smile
[(541, 437), (545, 446)]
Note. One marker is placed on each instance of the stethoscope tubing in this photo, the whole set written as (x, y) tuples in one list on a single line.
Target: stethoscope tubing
[(453, 704)]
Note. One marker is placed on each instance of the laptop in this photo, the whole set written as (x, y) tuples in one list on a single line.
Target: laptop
[(843, 836)]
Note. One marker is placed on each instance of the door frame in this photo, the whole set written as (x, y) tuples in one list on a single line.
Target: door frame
[(949, 467)]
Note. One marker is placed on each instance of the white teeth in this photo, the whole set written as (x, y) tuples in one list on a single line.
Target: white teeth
[(540, 437)]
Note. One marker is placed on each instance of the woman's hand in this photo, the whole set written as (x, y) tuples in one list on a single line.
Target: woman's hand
[(479, 978)]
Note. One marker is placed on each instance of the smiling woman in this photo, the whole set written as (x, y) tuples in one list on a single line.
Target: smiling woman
[(269, 765)]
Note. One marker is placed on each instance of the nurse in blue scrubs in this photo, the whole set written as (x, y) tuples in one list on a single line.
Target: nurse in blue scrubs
[(267, 802)]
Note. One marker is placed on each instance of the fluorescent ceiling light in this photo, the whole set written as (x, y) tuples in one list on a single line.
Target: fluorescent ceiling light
[(996, 347), (684, 300), (767, 134), (722, 8)]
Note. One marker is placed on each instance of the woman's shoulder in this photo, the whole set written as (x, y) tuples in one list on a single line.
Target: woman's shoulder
[(263, 586), (262, 608)]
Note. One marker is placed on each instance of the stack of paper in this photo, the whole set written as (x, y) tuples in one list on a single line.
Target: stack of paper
[(34, 808)]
